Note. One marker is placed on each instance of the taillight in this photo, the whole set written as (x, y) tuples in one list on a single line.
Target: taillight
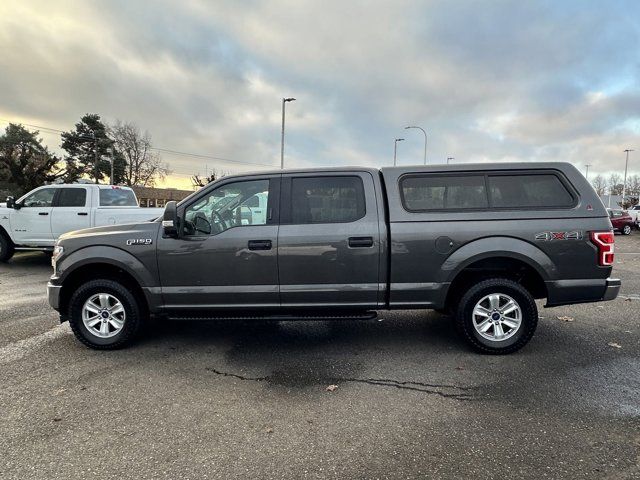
[(605, 243)]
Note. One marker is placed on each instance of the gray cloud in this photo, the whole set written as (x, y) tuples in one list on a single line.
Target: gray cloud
[(489, 81)]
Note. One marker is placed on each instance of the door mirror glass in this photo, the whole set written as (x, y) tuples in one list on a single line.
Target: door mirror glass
[(202, 225), (170, 220), (11, 203)]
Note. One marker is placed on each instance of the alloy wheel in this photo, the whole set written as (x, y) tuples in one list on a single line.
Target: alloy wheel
[(497, 317), (103, 315)]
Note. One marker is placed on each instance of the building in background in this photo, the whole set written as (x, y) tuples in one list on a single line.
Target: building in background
[(158, 197)]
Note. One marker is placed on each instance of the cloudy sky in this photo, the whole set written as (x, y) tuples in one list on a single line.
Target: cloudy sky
[(488, 81)]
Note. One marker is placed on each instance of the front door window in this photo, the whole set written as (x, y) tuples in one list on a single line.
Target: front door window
[(232, 205)]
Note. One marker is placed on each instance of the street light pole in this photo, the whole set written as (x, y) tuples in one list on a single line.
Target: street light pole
[(96, 168), (112, 159), (395, 149), (449, 158), (586, 174), (284, 100), (624, 182), (425, 140)]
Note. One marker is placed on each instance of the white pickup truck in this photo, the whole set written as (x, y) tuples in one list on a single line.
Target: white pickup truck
[(37, 219), (635, 214)]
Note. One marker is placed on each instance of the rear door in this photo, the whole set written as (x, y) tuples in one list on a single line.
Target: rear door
[(329, 240), (70, 210)]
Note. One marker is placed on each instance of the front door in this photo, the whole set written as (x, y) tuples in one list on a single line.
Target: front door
[(226, 253), (31, 224), (329, 241)]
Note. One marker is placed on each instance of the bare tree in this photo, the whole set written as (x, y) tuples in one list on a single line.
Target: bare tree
[(599, 184), (633, 185), (614, 183), (197, 181), (144, 167)]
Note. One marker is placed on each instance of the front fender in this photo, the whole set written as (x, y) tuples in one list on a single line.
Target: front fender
[(489, 247), (105, 255)]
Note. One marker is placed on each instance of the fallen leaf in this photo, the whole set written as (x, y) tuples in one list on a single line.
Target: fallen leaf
[(614, 345), (57, 419), (628, 299), (269, 430), (565, 319), (332, 388), (59, 392)]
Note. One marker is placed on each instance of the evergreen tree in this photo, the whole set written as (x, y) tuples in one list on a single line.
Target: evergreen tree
[(25, 163), (90, 137)]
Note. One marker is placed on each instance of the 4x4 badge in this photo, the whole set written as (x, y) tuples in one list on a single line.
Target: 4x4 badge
[(552, 236)]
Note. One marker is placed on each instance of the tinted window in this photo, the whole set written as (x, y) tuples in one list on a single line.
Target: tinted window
[(432, 192), (533, 190), (72, 197), (117, 197), (327, 199), (41, 198), (232, 205)]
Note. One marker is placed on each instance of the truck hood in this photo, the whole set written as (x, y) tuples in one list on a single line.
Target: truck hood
[(108, 233)]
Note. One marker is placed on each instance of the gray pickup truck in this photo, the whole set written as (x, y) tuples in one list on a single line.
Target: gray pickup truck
[(478, 241)]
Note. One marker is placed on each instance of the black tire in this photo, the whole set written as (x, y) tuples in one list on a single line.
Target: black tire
[(6, 248), (626, 230), (528, 323), (133, 314)]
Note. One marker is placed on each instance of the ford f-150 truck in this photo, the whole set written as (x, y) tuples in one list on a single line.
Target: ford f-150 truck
[(481, 241), (37, 219)]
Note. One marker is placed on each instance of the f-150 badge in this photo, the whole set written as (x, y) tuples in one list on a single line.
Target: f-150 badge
[(553, 236), (139, 241)]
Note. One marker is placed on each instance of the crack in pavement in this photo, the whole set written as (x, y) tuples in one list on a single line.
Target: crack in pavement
[(428, 388)]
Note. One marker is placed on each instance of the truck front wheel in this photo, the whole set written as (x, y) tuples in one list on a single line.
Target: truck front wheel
[(6, 248), (104, 314), (497, 316)]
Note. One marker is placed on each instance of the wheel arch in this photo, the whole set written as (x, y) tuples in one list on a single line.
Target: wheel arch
[(93, 262), (498, 257), (4, 233)]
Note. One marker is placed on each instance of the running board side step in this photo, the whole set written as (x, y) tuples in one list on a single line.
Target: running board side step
[(288, 317)]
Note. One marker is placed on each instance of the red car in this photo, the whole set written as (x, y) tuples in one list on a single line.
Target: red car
[(621, 221)]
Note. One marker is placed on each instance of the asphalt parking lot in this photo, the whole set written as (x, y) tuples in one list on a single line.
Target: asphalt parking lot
[(221, 400)]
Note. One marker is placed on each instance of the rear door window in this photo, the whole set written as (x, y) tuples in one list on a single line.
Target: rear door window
[(72, 197), (443, 192), (327, 199), (117, 197), (544, 190)]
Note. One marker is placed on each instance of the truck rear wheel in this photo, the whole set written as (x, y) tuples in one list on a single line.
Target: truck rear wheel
[(104, 314), (6, 248), (497, 316)]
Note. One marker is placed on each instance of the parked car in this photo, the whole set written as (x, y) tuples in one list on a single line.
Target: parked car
[(635, 215), (621, 221), (37, 219), (482, 241)]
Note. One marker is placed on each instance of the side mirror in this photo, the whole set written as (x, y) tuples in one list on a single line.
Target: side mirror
[(11, 203), (170, 219)]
